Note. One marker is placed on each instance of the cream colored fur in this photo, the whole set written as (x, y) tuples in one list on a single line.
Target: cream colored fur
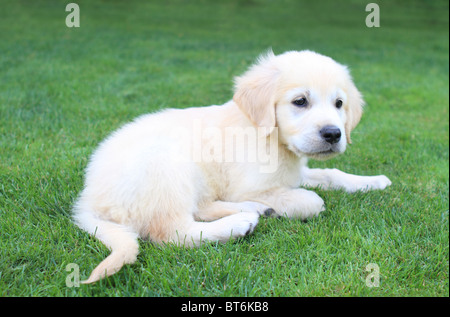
[(166, 177)]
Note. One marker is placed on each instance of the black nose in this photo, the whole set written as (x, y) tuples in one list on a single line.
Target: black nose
[(331, 134)]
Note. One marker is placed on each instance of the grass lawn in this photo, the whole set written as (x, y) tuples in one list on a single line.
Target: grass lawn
[(62, 90)]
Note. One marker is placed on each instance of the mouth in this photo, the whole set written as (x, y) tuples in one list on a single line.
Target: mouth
[(327, 152), (318, 155), (322, 154)]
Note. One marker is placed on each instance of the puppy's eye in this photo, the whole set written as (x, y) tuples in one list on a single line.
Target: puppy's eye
[(301, 102), (338, 103)]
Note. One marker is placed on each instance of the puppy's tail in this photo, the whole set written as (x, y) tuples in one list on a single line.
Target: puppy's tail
[(120, 239)]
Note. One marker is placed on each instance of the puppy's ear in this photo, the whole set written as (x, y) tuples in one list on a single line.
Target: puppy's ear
[(255, 92), (354, 110)]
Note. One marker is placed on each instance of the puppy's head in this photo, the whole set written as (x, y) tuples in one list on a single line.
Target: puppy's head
[(309, 97)]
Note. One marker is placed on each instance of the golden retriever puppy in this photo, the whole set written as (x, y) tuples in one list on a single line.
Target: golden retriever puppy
[(188, 175)]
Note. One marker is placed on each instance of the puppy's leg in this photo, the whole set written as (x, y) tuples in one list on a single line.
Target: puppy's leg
[(192, 233), (336, 179), (219, 209), (293, 203)]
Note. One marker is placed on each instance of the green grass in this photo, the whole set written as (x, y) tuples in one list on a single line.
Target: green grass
[(63, 90)]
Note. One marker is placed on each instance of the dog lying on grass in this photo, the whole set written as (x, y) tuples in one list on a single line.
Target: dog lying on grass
[(207, 174)]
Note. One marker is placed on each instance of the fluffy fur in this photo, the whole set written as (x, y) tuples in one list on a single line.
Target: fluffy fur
[(168, 177)]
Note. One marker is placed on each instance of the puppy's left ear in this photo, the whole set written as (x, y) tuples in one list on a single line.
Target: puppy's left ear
[(255, 92), (354, 109)]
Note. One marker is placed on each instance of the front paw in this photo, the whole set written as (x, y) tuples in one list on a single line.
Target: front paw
[(313, 206), (300, 203), (375, 182), (246, 225), (382, 182)]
